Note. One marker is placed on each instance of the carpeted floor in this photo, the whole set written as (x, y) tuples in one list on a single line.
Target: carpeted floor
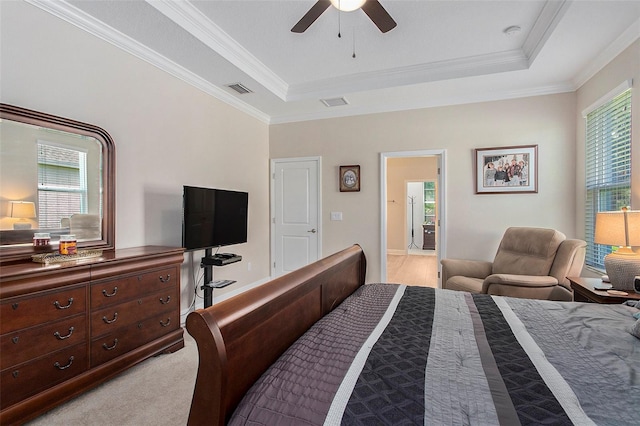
[(156, 392)]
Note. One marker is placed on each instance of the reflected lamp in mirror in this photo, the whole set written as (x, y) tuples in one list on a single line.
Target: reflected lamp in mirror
[(621, 229), (22, 210)]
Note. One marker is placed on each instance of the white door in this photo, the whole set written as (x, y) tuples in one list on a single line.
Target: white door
[(295, 223)]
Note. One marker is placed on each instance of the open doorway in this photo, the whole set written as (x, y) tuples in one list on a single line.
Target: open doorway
[(412, 214)]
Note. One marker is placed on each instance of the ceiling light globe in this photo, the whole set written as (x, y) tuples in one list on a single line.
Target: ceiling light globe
[(347, 5)]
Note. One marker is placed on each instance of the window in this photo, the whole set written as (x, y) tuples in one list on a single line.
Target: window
[(429, 202), (62, 183), (608, 165)]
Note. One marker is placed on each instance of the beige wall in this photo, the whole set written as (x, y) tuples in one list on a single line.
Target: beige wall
[(473, 223), (167, 133)]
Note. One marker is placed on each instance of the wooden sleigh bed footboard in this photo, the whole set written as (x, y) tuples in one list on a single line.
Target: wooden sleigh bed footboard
[(239, 338)]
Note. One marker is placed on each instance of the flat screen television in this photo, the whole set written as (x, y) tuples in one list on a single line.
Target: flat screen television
[(213, 217)]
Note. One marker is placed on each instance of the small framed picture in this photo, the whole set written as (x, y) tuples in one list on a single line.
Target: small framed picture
[(349, 178), (506, 169)]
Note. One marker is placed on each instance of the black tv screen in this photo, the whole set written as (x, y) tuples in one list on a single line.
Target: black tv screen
[(213, 217)]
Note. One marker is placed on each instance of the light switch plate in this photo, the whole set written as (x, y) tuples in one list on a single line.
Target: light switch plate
[(336, 215)]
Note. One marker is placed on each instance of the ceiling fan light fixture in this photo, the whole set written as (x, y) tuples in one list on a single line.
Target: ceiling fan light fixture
[(347, 5)]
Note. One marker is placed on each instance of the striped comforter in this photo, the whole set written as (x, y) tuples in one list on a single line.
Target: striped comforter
[(396, 355)]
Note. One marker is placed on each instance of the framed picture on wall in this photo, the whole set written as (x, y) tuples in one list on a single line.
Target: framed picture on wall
[(349, 178), (504, 170)]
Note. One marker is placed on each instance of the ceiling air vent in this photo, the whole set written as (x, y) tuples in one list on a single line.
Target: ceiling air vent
[(333, 102), (240, 88)]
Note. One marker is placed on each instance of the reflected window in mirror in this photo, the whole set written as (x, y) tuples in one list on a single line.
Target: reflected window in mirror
[(62, 168), (66, 184)]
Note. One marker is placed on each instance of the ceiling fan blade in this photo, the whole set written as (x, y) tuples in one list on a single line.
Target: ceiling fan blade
[(311, 16), (379, 15)]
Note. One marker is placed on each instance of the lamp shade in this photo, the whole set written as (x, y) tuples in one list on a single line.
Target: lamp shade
[(633, 223), (612, 230), (22, 209)]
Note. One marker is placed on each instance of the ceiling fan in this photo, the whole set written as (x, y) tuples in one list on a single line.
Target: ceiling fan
[(372, 8)]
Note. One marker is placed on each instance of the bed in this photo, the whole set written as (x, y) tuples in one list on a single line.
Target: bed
[(318, 346)]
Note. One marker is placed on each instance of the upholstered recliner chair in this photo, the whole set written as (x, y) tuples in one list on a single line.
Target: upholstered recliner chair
[(531, 263)]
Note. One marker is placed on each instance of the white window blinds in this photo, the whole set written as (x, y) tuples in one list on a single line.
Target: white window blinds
[(62, 184), (608, 166)]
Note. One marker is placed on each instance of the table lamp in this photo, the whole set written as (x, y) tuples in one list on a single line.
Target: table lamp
[(622, 229), (22, 210)]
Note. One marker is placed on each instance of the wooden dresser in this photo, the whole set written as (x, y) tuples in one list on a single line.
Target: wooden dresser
[(65, 328)]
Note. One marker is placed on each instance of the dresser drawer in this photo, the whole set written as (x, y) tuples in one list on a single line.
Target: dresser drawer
[(127, 338), (22, 312), (115, 291), (27, 379), (29, 343), (111, 318)]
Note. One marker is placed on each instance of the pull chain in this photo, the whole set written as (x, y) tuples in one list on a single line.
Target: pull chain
[(354, 43), (339, 14)]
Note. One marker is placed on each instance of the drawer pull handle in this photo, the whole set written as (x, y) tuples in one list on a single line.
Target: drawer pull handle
[(14, 306), (15, 339), (15, 374), (164, 302), (59, 337), (115, 290), (110, 348), (165, 324), (64, 367), (108, 321), (165, 280), (58, 306)]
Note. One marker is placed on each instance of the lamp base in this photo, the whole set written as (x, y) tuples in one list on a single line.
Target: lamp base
[(622, 269), (22, 225)]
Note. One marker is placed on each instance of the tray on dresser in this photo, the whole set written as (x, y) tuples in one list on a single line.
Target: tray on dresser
[(47, 258)]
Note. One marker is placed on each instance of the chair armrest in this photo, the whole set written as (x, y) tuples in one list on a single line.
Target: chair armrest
[(530, 281), (467, 268)]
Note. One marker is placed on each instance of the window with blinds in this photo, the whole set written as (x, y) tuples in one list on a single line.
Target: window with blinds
[(62, 184), (608, 167)]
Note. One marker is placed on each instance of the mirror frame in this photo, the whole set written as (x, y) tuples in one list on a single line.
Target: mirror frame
[(19, 252)]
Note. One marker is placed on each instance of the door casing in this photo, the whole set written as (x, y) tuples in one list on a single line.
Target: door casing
[(441, 246)]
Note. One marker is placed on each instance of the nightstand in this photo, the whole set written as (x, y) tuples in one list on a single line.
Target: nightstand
[(583, 291)]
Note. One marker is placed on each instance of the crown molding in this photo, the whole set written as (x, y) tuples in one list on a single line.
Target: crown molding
[(84, 21), (192, 20), (425, 102), (549, 18), (629, 36), (414, 74)]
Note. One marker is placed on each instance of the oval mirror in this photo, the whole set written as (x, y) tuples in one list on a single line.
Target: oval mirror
[(58, 178)]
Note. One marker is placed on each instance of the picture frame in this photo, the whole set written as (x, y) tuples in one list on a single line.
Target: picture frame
[(350, 178), (506, 170)]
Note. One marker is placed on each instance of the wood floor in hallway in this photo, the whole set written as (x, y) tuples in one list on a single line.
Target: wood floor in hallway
[(418, 270)]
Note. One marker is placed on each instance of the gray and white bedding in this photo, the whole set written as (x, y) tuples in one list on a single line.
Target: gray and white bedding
[(395, 355)]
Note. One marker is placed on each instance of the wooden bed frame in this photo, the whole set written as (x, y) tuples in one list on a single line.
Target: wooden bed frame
[(239, 338)]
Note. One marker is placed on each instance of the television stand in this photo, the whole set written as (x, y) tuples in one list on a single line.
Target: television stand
[(221, 259), (218, 284), (208, 262)]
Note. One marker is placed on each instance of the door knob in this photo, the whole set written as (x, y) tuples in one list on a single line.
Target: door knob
[(313, 231)]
